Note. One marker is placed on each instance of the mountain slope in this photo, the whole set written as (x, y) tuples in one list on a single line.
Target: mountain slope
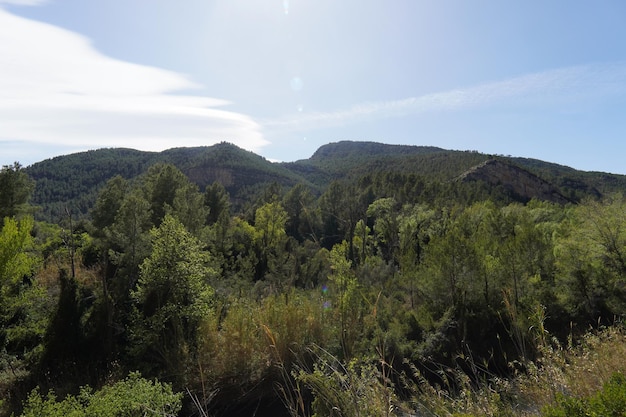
[(351, 160), (74, 180), (520, 183)]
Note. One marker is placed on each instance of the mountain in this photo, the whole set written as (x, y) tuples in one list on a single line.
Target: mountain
[(348, 159), (351, 160), (518, 182), (75, 180)]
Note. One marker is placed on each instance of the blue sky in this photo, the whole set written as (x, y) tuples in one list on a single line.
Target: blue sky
[(529, 78)]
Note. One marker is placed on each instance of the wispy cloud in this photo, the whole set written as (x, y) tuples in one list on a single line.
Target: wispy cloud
[(569, 86), (56, 88), (24, 2)]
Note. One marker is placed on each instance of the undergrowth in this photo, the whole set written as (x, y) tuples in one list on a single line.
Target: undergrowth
[(583, 379)]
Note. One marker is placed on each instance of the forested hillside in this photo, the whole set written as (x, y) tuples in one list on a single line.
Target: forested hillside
[(74, 180), (368, 280)]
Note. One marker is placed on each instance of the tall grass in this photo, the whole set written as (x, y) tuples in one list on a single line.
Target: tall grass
[(246, 343), (574, 370), (361, 388), (288, 345)]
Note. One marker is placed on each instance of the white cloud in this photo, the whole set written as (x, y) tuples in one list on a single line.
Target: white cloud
[(572, 86), (24, 2), (55, 88)]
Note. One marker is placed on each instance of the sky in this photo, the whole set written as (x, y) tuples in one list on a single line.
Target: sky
[(528, 78)]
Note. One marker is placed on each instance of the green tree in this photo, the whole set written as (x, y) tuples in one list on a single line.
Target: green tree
[(232, 241), (15, 259), (160, 185), (416, 226), (386, 227), (269, 222), (172, 297), (347, 298), (15, 190), (270, 240), (217, 201), (24, 303), (453, 264), (341, 208), (109, 202), (188, 207), (591, 260), (298, 203), (128, 239)]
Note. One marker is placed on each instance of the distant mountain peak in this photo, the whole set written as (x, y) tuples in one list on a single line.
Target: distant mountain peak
[(348, 148)]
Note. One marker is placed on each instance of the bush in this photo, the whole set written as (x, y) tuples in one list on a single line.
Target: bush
[(608, 402), (131, 397)]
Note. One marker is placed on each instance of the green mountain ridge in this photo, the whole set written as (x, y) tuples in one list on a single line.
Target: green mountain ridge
[(74, 180)]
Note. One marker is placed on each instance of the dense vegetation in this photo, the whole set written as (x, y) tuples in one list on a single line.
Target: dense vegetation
[(75, 180), (383, 292)]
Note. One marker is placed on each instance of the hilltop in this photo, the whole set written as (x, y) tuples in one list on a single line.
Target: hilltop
[(74, 180)]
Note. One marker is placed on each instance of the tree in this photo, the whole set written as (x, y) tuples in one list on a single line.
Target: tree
[(298, 204), (269, 221), (24, 305), (415, 227), (348, 299), (15, 190), (172, 297), (217, 201), (109, 202), (232, 242), (270, 237), (188, 207), (386, 227), (160, 185), (341, 208), (128, 238), (15, 260), (591, 260)]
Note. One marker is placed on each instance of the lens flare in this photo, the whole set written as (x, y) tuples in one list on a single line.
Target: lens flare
[(286, 6)]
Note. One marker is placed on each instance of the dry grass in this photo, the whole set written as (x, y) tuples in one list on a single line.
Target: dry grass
[(577, 371), (251, 340)]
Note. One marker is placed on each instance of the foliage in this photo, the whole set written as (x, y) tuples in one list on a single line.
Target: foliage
[(357, 389), (15, 259), (75, 180), (132, 397), (393, 287), (412, 173), (610, 401), (15, 190), (25, 306), (22, 301), (172, 296), (592, 259)]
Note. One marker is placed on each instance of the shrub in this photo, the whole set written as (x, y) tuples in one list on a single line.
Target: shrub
[(608, 402), (131, 397)]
